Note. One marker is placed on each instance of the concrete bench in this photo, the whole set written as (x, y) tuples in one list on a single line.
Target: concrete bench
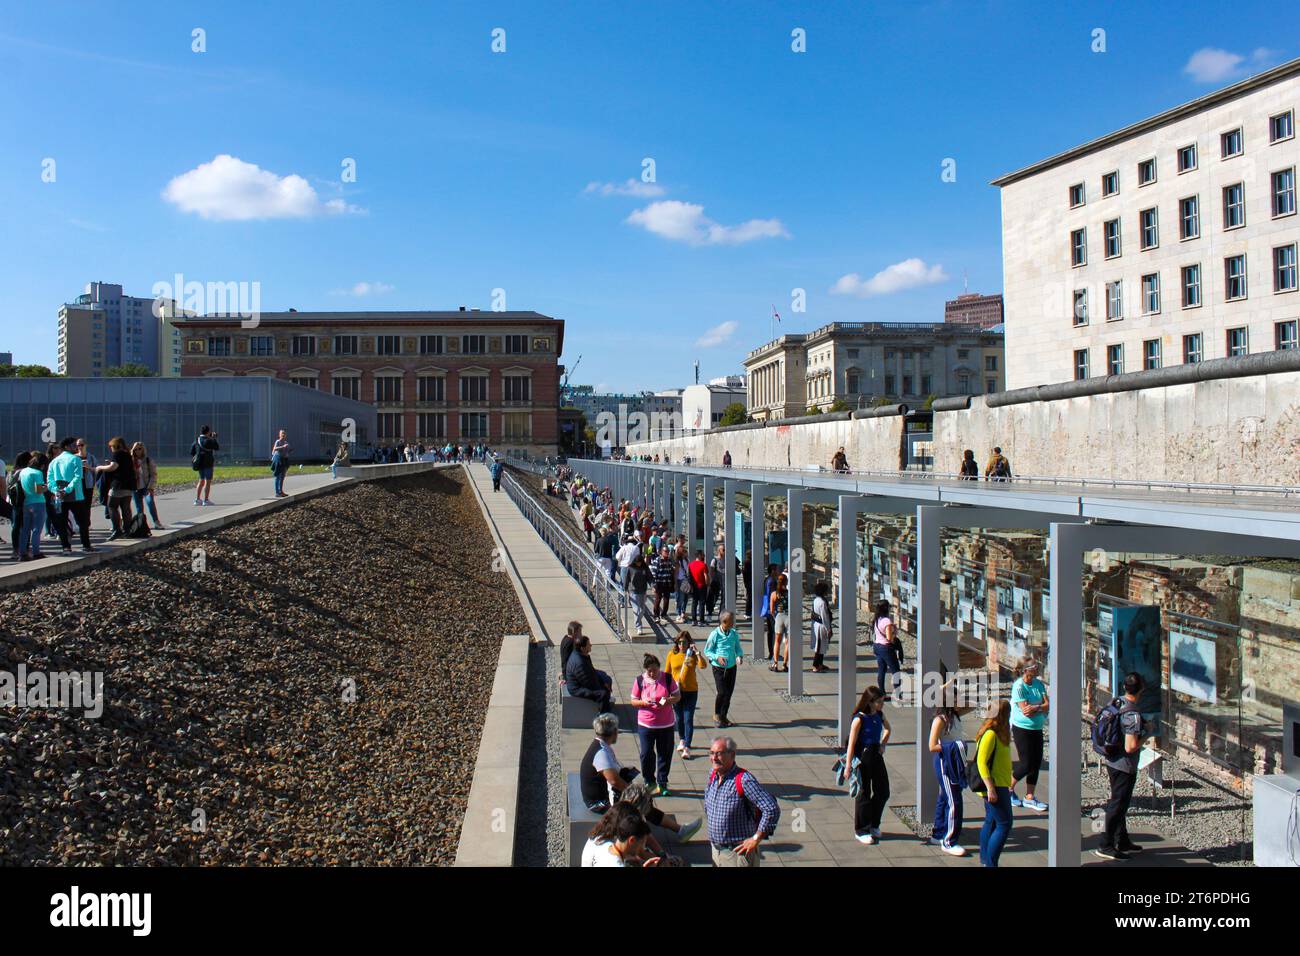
[(581, 820), (577, 713)]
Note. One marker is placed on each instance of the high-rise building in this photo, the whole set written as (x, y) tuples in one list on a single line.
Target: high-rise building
[(1170, 241), (103, 328), (980, 311), (6, 358)]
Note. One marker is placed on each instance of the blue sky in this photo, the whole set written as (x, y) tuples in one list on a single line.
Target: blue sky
[(774, 170)]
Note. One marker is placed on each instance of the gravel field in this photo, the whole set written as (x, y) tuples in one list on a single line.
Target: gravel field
[(226, 737), (542, 828)]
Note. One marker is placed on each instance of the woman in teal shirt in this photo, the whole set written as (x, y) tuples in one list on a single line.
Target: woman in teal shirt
[(722, 651), (1029, 705), (32, 481)]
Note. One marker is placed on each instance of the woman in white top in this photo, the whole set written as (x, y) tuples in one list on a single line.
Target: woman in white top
[(618, 839), (821, 625), (883, 635)]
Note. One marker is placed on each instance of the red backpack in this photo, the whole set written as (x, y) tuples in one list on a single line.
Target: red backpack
[(740, 790)]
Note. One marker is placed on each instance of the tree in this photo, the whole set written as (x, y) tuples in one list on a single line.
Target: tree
[(839, 405), (733, 414), (26, 371), (130, 370), (813, 410)]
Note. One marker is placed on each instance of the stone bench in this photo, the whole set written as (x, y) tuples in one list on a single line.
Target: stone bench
[(577, 713), (581, 820)]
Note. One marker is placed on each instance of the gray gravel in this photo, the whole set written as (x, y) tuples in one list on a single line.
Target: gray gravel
[(542, 827)]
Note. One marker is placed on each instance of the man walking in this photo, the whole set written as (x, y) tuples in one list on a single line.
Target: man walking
[(204, 460), (1122, 771), (998, 468), (742, 814), (497, 469), (722, 651)]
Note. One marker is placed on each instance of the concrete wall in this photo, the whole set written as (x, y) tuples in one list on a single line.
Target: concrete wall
[(1231, 431)]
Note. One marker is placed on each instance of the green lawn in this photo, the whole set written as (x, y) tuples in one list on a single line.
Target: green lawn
[(184, 474)]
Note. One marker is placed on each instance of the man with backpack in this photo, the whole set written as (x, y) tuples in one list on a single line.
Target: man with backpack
[(1116, 736), (741, 813), (998, 468), (203, 460)]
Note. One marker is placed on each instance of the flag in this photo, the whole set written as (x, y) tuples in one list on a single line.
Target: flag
[(775, 314)]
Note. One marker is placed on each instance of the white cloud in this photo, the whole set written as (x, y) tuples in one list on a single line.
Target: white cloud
[(686, 222), (230, 189), (908, 274), (1212, 65), (717, 335), (364, 289), (632, 187)]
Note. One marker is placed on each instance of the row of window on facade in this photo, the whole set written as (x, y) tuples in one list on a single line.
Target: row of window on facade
[(515, 426), (1232, 143), (264, 345), (1235, 287), (428, 388), (1189, 219), (821, 385), (1237, 343)]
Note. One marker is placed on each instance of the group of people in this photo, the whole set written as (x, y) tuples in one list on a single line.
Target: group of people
[(52, 489), (418, 451), (998, 467)]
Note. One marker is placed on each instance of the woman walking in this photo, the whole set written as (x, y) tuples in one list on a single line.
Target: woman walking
[(683, 663), (638, 583), (682, 581), (146, 479), (280, 461), (821, 625), (722, 650), (970, 469), (766, 613), (1029, 706), (119, 478), (993, 757), (780, 602), (868, 735), (884, 634), (32, 481), (947, 754), (654, 695)]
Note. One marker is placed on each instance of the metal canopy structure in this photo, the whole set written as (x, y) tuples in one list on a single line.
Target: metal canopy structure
[(1076, 516)]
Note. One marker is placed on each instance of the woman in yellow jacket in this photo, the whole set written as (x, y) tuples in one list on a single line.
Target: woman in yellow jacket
[(683, 661), (993, 756)]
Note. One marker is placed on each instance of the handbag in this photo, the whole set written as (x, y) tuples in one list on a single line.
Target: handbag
[(973, 765)]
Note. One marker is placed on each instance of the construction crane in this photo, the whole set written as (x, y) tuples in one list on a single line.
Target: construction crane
[(564, 385)]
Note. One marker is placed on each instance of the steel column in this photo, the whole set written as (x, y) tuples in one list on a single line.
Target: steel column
[(794, 525)]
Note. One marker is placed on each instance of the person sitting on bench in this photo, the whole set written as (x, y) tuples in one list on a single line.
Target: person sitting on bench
[(583, 680)]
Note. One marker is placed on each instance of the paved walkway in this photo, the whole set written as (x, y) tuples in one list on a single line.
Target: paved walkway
[(176, 509), (789, 747)]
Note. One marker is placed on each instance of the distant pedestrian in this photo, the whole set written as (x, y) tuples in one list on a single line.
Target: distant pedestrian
[(146, 479), (571, 635), (868, 735), (624, 557), (1029, 706), (998, 467), (280, 461), (119, 474), (840, 462), (68, 480), (203, 456), (654, 695), (1123, 715), (684, 662), (767, 613), (970, 469), (717, 580), (663, 571), (497, 470), (884, 641), (699, 572), (821, 626), (342, 459), (32, 481), (638, 584), (726, 459), (948, 757), (741, 813), (780, 602), (681, 581), (993, 758), (722, 649)]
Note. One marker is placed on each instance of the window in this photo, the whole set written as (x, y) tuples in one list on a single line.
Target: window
[(517, 388), (1114, 300), (1151, 354), (431, 344), (430, 388), (1191, 286), (1280, 127), (218, 345), (1112, 239), (990, 385), (925, 385), (1151, 294), (1080, 364), (1284, 335), (1234, 270), (852, 383), (388, 388), (1146, 172), (1078, 248), (1237, 342), (473, 344), (261, 345), (516, 344), (1230, 143), (1076, 195), (388, 345), (889, 385), (1192, 348), (1080, 307), (473, 388), (1284, 192), (306, 381), (1234, 206), (345, 345), (348, 386), (1189, 217), (389, 424), (473, 425), (1109, 184), (516, 426), (852, 353), (1115, 360), (907, 385), (1150, 221), (1284, 269), (961, 353), (303, 345), (431, 424), (990, 363)]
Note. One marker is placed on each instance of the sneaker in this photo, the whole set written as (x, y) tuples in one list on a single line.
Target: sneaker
[(1108, 853), (89, 549), (114, 536), (1016, 801), (67, 552), (207, 502), (865, 838), (1035, 804), (664, 791), (158, 527), (875, 832), (1131, 848), (198, 501), (689, 830), (638, 632), (953, 849), (686, 753)]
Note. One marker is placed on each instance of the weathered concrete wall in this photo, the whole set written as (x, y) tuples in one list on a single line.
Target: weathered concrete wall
[(1228, 431)]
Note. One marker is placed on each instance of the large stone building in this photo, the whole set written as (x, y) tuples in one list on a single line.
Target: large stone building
[(103, 328), (981, 311), (1170, 241), (861, 363), (434, 376)]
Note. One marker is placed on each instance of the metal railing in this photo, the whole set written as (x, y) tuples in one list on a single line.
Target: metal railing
[(613, 603)]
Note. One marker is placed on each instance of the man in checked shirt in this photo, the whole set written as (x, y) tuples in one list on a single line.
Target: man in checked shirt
[(741, 813)]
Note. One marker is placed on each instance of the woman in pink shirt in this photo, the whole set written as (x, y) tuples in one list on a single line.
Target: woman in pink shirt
[(883, 635), (654, 692)]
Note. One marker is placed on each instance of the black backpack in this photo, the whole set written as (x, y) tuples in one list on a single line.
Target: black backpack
[(1107, 735), (138, 527), (1002, 469), (198, 455), (973, 778)]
